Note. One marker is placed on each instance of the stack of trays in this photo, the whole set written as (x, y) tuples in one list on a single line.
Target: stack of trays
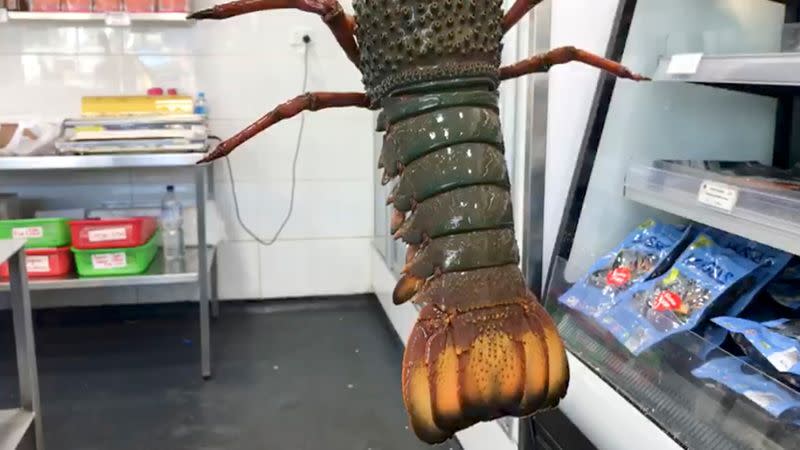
[(47, 246), (133, 134), (107, 247)]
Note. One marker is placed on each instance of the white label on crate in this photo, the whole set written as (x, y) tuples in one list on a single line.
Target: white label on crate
[(785, 360), (37, 264), (118, 19), (27, 232), (684, 64), (108, 234), (718, 195), (109, 261)]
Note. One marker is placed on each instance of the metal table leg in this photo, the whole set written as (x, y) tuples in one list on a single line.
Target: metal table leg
[(23, 337), (214, 292), (205, 325), (213, 275)]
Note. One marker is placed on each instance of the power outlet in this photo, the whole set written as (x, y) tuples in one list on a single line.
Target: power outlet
[(296, 36)]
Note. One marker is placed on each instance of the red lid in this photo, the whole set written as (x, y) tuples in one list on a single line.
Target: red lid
[(172, 91), (155, 91), (46, 251)]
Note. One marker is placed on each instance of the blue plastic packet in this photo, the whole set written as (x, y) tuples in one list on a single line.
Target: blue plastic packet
[(770, 261), (785, 289), (704, 280), (645, 253), (735, 374), (773, 346)]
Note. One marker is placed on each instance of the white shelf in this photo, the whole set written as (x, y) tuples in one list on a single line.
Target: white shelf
[(14, 426), (768, 69), (769, 217), (111, 19)]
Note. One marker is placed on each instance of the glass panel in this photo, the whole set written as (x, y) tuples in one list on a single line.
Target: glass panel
[(784, 38), (393, 251), (699, 414), (652, 121), (381, 239), (649, 122)]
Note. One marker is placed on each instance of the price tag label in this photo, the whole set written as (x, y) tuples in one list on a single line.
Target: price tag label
[(619, 277), (684, 64), (109, 261), (27, 232), (667, 301), (718, 195), (37, 264), (108, 234), (785, 360), (118, 19), (3, 15)]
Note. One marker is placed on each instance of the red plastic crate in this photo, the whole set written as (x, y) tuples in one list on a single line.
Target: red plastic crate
[(44, 262), (112, 233)]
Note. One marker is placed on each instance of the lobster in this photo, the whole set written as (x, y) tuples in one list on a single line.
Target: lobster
[(483, 347)]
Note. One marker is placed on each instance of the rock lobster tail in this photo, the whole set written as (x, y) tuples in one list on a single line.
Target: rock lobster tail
[(483, 347)]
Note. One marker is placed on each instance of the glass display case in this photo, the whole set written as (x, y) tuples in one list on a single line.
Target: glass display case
[(709, 152)]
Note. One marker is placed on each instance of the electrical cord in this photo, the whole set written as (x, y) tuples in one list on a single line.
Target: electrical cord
[(264, 242)]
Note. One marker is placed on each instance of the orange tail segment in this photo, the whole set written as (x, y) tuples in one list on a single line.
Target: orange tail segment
[(484, 358)]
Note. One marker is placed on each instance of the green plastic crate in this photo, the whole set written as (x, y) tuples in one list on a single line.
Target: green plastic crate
[(40, 233), (116, 261)]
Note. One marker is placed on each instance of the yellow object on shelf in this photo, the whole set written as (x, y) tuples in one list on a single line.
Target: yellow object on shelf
[(136, 105)]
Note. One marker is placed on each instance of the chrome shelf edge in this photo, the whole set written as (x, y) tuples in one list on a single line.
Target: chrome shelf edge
[(8, 247), (755, 230), (775, 69), (110, 19), (14, 426), (111, 161), (157, 274)]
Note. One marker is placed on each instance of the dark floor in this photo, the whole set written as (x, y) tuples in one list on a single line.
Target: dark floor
[(321, 374)]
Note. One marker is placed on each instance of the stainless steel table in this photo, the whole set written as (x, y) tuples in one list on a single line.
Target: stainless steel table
[(21, 428), (199, 260)]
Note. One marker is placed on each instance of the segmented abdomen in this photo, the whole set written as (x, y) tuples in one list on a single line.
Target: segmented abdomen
[(452, 195), (483, 347)]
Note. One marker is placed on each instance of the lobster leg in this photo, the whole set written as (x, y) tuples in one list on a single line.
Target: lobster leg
[(517, 12), (310, 101), (563, 55), (341, 24)]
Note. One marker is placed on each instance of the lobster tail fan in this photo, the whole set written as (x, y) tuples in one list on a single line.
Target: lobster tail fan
[(558, 367), (492, 356), (417, 394)]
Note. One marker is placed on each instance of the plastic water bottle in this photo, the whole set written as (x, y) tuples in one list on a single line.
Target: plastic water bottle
[(171, 226), (200, 105)]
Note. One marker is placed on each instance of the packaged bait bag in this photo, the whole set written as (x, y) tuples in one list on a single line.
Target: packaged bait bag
[(736, 375), (646, 252), (773, 346), (785, 289), (703, 281), (770, 261)]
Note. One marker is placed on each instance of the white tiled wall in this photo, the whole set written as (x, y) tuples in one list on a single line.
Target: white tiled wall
[(245, 66)]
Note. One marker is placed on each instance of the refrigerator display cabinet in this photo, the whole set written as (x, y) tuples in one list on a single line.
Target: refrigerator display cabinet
[(726, 79)]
